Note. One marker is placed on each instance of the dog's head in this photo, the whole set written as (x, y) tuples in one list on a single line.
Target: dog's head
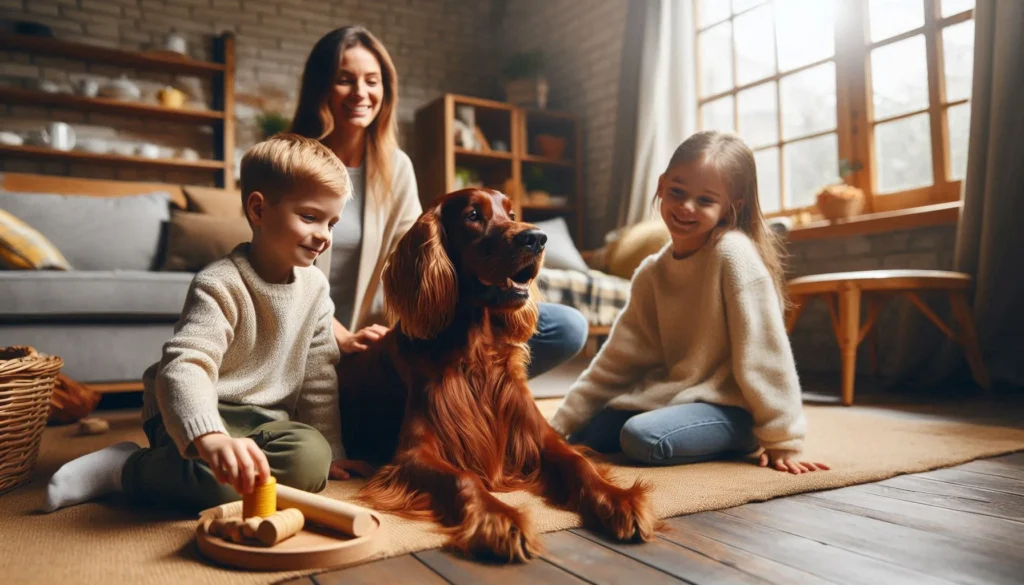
[(466, 250)]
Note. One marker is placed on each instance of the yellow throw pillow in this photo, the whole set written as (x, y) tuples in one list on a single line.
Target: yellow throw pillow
[(24, 248), (636, 243)]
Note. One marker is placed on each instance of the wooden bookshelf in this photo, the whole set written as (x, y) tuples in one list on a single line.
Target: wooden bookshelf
[(221, 116), (78, 156), (437, 157), (67, 101)]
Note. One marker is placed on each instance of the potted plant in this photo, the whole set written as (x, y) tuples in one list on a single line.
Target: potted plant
[(270, 123), (525, 84), (841, 200)]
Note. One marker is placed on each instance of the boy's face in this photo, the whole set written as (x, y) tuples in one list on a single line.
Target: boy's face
[(296, 229)]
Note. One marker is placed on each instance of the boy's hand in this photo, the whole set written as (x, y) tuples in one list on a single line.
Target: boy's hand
[(238, 462), (346, 468), (789, 461), (357, 341)]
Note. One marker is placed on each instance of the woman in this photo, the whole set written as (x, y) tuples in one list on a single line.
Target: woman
[(349, 101)]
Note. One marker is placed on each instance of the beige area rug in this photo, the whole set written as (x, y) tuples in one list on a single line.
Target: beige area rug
[(111, 542)]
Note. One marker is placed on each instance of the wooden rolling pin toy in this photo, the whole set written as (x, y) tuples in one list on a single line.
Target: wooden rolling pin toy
[(342, 516)]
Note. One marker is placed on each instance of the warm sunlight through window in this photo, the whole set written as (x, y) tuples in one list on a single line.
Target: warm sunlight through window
[(881, 83)]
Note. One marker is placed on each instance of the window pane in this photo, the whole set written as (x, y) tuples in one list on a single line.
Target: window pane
[(950, 7), (717, 115), (741, 5), (767, 161), (711, 11), (899, 78), (809, 101), (959, 118), (755, 45), (958, 46), (810, 165), (759, 115), (806, 31), (716, 59), (903, 150), (892, 17)]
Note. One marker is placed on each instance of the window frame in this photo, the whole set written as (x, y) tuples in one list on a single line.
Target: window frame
[(855, 126)]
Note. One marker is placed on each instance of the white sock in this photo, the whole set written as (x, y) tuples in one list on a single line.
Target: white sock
[(88, 477)]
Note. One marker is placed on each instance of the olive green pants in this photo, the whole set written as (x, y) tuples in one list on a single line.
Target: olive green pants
[(299, 456)]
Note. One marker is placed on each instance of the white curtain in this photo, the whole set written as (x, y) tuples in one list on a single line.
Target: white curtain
[(657, 102)]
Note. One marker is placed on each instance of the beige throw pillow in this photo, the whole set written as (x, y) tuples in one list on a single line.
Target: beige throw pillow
[(197, 239), (214, 201)]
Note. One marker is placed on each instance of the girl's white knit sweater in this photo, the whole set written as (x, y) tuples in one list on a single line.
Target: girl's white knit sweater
[(706, 328)]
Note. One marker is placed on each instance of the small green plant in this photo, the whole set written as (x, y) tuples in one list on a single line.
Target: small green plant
[(271, 123), (848, 167), (524, 65)]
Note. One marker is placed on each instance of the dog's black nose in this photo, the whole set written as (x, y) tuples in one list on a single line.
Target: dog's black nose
[(534, 239)]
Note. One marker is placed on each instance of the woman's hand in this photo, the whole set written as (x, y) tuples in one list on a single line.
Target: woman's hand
[(346, 468), (789, 461), (238, 462), (349, 342)]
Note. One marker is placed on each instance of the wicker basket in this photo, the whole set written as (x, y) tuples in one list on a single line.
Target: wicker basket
[(26, 383)]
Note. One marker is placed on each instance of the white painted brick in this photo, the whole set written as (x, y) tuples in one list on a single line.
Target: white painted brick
[(102, 6)]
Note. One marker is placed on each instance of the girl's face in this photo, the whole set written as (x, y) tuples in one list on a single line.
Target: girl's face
[(358, 91), (694, 199)]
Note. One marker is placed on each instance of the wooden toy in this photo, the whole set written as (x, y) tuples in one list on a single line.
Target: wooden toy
[(301, 531)]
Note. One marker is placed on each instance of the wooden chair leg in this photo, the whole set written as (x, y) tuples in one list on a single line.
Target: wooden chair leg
[(968, 338), (849, 336), (794, 313)]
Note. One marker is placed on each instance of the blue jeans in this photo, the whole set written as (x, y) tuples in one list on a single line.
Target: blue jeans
[(682, 433), (561, 334)]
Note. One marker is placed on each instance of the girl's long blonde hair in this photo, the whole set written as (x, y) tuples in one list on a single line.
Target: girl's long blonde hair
[(313, 116), (734, 159)]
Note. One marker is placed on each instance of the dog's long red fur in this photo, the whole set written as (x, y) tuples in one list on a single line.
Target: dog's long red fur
[(442, 400)]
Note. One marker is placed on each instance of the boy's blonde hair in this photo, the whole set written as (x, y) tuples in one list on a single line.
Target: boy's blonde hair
[(734, 159), (279, 164)]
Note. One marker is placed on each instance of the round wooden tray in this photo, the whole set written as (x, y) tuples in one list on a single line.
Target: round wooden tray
[(315, 547)]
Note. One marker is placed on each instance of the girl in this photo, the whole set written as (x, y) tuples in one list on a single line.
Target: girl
[(698, 365)]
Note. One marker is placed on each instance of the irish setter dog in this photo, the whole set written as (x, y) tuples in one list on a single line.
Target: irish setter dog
[(442, 400)]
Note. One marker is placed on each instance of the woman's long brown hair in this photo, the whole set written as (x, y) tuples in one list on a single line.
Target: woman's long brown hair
[(313, 116)]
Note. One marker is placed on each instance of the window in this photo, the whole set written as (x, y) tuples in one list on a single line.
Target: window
[(883, 84)]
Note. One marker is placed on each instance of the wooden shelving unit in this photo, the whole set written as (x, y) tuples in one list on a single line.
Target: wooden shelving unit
[(221, 116), (437, 157)]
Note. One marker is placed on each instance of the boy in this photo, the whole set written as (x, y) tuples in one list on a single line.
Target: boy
[(246, 388)]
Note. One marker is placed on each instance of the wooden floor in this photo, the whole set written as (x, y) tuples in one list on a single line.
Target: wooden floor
[(959, 525)]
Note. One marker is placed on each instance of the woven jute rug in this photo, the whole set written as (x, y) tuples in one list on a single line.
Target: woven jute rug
[(109, 541)]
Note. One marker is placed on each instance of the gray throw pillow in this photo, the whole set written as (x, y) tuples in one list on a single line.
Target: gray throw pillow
[(561, 251), (97, 233)]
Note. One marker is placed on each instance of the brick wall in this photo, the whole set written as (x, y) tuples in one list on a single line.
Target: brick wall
[(437, 45), (814, 343), (582, 43)]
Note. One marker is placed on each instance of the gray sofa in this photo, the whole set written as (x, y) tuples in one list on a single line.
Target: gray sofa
[(109, 316)]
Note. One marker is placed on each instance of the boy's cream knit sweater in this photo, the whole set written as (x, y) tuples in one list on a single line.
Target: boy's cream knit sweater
[(242, 340), (707, 328)]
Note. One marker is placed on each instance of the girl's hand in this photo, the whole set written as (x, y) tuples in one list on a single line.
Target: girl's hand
[(357, 341), (238, 462), (346, 468), (788, 461)]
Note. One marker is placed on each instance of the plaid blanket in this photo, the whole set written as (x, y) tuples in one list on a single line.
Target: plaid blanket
[(597, 295)]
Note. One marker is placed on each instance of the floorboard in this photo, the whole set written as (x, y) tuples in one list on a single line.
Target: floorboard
[(459, 571), (976, 480), (996, 468), (952, 496), (685, 564), (589, 560), (405, 569), (956, 559)]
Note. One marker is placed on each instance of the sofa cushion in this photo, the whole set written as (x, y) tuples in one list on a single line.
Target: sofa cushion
[(214, 201), (47, 295), (197, 239), (23, 248), (561, 253), (96, 233)]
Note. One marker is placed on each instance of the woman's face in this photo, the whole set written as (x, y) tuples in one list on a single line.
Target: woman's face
[(358, 90)]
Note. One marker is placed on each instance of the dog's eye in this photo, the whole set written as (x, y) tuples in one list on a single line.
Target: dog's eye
[(512, 215), (473, 216)]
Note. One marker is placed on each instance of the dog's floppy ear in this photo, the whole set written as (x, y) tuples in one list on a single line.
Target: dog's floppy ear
[(420, 285)]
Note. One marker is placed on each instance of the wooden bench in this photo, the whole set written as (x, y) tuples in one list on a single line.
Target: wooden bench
[(875, 287)]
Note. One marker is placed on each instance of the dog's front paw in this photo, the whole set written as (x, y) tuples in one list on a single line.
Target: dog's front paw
[(626, 514), (498, 532)]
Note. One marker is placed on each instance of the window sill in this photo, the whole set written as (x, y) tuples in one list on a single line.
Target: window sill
[(876, 223)]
